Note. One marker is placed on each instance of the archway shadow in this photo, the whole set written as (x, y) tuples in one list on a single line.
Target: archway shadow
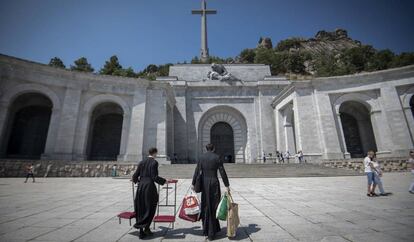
[(243, 232)]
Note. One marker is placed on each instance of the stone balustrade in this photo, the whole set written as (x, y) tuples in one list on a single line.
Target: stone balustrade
[(387, 164), (17, 168)]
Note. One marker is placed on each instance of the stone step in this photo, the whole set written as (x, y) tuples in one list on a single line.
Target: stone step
[(16, 168), (260, 170)]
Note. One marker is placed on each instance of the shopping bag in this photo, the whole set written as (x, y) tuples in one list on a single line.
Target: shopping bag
[(233, 219), (188, 201), (221, 212), (192, 205)]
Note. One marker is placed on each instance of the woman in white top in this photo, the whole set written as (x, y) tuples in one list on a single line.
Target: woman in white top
[(411, 160), (368, 168)]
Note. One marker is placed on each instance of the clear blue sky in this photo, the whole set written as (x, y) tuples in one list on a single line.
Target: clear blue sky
[(142, 32)]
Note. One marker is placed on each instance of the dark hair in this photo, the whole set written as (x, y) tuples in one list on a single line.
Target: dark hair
[(210, 147), (152, 151)]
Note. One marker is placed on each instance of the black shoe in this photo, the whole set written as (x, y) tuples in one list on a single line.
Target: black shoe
[(148, 232), (411, 192), (383, 194), (369, 194), (141, 233), (374, 194)]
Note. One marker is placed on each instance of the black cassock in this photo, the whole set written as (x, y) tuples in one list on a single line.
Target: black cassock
[(146, 198), (210, 163)]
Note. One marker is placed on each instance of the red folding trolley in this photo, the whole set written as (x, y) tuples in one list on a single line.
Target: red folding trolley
[(170, 184), (128, 215)]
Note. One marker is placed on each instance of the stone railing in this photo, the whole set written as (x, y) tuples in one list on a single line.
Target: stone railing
[(387, 164), (17, 168)]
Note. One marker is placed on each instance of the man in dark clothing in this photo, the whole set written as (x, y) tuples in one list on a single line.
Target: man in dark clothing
[(208, 164), (146, 198)]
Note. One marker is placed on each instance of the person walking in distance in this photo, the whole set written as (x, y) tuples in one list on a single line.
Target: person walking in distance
[(29, 172), (378, 175), (287, 156)]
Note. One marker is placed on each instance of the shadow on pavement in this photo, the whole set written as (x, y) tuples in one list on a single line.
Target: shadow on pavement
[(243, 232)]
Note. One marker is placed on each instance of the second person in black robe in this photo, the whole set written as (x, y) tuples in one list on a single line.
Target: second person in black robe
[(209, 163), (146, 198)]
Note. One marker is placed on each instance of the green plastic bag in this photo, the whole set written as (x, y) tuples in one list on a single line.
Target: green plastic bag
[(221, 212)]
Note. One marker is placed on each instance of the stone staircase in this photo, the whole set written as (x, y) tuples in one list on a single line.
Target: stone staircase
[(16, 168), (260, 171)]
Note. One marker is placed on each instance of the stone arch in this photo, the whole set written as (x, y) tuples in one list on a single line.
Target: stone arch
[(230, 116), (13, 93), (408, 100), (369, 102), (357, 131), (85, 121), (105, 132), (28, 121), (102, 98)]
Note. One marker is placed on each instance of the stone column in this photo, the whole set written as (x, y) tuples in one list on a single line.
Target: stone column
[(180, 123), (290, 138), (396, 121), (51, 134), (382, 133), (326, 123), (4, 113), (64, 142), (279, 130), (155, 131), (307, 128), (126, 119), (135, 138), (82, 136), (347, 155), (162, 133)]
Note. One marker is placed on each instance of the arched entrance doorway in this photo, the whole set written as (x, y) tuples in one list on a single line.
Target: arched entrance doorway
[(357, 129), (105, 132), (222, 138), (229, 120), (28, 125)]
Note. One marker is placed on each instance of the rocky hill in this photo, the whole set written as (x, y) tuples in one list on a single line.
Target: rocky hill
[(329, 41), (326, 54)]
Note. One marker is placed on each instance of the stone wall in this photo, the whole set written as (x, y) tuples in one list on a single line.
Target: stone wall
[(17, 168), (387, 164)]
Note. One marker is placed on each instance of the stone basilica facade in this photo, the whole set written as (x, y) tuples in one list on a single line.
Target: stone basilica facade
[(54, 114)]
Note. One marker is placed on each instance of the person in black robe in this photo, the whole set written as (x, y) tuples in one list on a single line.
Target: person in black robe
[(146, 198), (209, 163)]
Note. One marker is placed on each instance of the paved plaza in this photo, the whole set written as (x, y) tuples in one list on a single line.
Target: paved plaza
[(271, 209)]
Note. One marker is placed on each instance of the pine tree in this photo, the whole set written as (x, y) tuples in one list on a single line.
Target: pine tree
[(111, 66), (57, 62), (82, 64)]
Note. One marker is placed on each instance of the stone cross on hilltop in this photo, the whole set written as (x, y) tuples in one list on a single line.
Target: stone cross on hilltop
[(203, 12)]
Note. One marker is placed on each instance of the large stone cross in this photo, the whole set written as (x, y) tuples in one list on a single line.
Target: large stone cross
[(203, 12)]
